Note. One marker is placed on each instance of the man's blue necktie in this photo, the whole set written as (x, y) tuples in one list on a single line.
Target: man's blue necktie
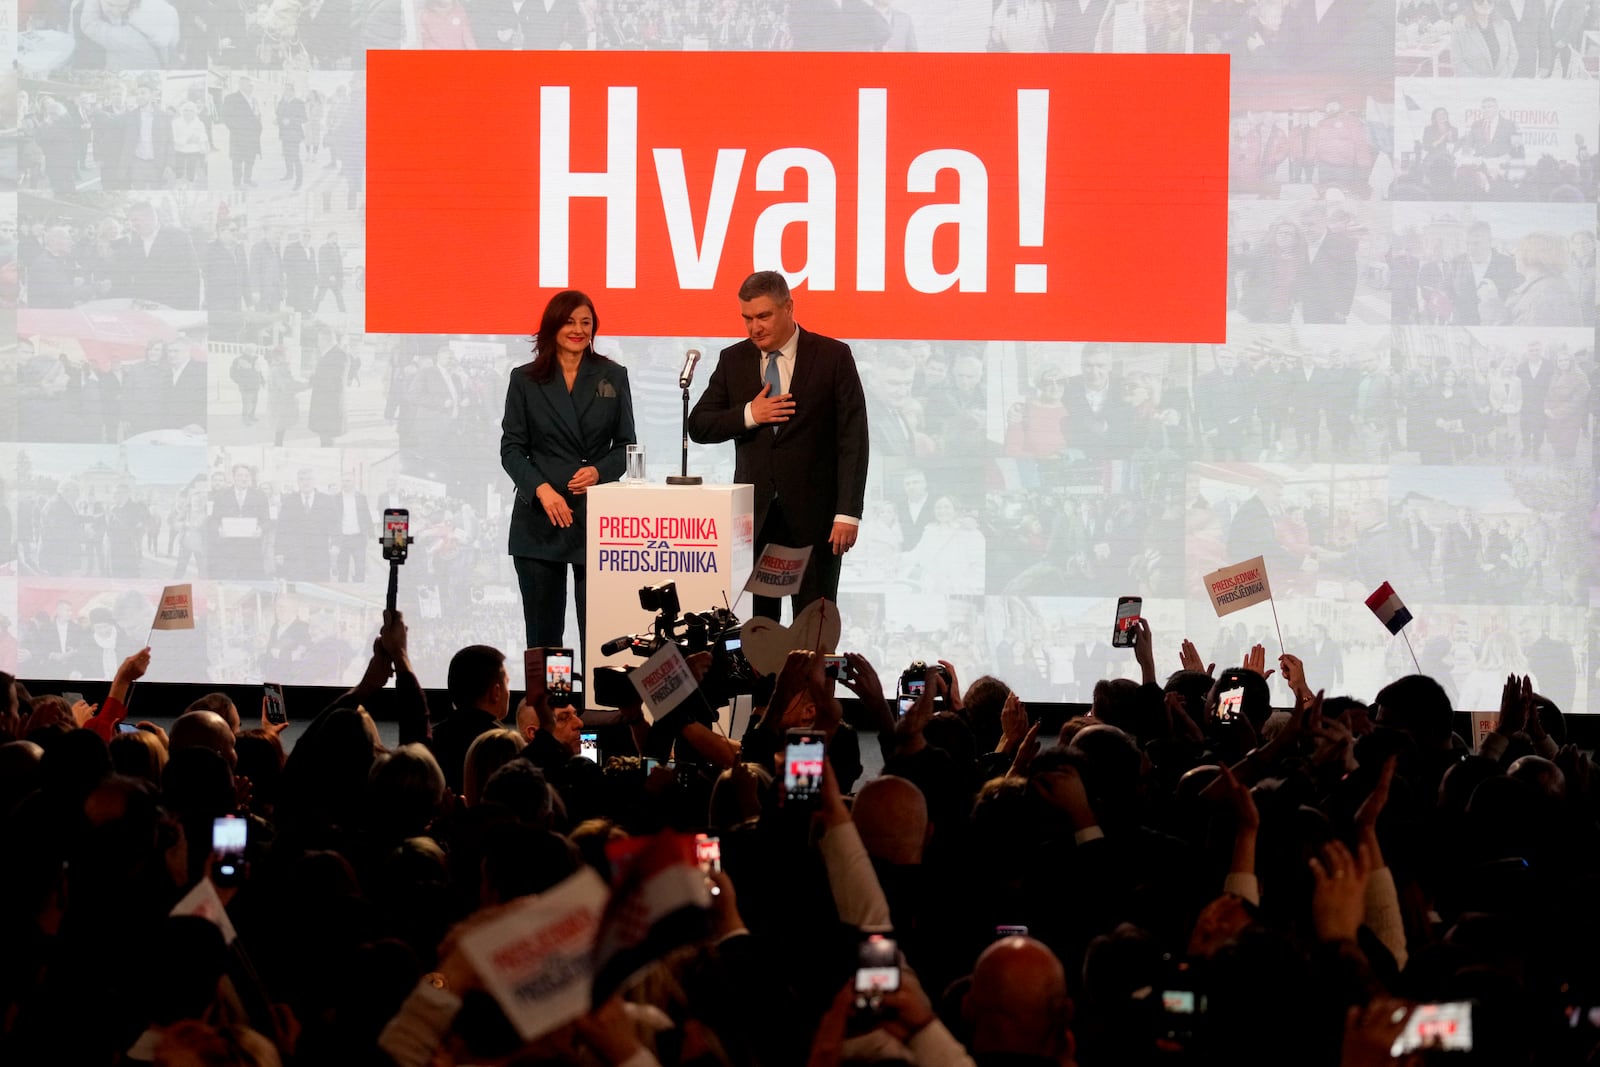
[(774, 379)]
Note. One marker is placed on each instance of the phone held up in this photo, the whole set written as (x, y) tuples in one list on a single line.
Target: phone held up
[(1229, 703), (558, 676), (877, 971), (229, 835), (589, 746), (804, 751), (1122, 632), (396, 540), (277, 710)]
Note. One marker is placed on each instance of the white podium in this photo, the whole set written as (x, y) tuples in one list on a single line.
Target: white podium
[(698, 536)]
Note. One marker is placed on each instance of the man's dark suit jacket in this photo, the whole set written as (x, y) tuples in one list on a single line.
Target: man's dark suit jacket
[(1462, 285), (816, 463), (169, 275), (1328, 284), (548, 434)]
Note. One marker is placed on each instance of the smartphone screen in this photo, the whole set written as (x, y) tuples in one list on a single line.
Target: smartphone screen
[(126, 728), (1446, 1027), (802, 765), (396, 533), (277, 710), (1229, 701), (708, 852), (558, 675), (1010, 931), (834, 667), (877, 969), (732, 644), (1128, 608), (589, 746), (228, 837)]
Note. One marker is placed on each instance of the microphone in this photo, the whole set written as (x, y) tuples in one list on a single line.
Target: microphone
[(686, 375), (616, 644)]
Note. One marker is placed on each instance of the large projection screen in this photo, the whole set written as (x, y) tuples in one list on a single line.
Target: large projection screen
[(189, 391)]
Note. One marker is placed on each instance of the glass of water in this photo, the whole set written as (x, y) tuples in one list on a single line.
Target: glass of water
[(635, 465)]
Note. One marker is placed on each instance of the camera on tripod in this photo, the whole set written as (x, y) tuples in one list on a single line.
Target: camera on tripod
[(715, 631)]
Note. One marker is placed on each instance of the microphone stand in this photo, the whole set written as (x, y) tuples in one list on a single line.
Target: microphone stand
[(684, 478)]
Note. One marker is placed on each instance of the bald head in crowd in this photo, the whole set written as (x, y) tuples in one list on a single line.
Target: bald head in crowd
[(891, 815), (1018, 1003), (220, 703), (203, 729)]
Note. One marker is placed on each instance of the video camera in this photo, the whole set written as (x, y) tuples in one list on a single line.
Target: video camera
[(715, 631)]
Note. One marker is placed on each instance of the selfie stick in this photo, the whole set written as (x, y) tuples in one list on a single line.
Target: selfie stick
[(394, 584)]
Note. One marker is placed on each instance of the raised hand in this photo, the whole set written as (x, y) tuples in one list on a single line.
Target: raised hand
[(955, 685), (1013, 723), (1372, 807), (1256, 660), (1339, 899), (1144, 649), (1189, 659), (1294, 673)]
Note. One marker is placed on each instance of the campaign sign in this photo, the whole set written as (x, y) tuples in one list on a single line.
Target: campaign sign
[(778, 571)]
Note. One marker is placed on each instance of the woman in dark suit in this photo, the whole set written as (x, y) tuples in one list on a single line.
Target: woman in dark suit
[(568, 425)]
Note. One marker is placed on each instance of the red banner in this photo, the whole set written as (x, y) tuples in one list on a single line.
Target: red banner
[(983, 196)]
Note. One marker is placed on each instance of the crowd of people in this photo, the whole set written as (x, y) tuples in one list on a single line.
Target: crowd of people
[(1541, 279), (1183, 874), (1487, 160)]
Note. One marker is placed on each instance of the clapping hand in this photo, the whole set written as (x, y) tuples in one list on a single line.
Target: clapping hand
[(1189, 659)]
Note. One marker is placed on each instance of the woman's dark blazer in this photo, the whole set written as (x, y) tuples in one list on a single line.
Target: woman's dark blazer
[(548, 434)]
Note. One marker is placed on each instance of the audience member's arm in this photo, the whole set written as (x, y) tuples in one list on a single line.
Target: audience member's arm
[(379, 669), (856, 892), (1144, 650), (862, 680), (1382, 916), (1063, 788), (1294, 675), (717, 750), (1259, 761), (1241, 880), (115, 708), (411, 701)]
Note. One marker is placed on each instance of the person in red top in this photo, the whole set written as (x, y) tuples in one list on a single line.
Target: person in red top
[(115, 709), (444, 24)]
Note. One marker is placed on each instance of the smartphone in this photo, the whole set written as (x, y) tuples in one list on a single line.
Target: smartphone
[(1229, 702), (532, 670), (558, 675), (835, 667), (71, 698), (803, 754), (228, 837), (1446, 1027), (277, 710), (708, 852), (1010, 931), (396, 538), (126, 727), (651, 763), (589, 746), (877, 970), (732, 643), (1128, 608)]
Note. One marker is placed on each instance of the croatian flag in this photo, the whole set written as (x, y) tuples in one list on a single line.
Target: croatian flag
[(1389, 608)]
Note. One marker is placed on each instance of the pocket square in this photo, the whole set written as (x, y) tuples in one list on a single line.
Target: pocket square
[(606, 390)]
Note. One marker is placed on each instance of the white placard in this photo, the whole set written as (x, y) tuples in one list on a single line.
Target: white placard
[(778, 571), (664, 680)]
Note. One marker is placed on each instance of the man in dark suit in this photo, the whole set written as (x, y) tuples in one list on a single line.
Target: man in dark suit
[(914, 509), (304, 531), (158, 262), (146, 150), (1480, 266), (792, 403), (227, 272), (58, 645), (1532, 32), (1224, 401), (266, 273), (1568, 21), (185, 394), (352, 517), (54, 276), (300, 272), (330, 273), (242, 115), (61, 533), (1493, 135), (1097, 420), (236, 528), (325, 414), (1327, 287), (1534, 373)]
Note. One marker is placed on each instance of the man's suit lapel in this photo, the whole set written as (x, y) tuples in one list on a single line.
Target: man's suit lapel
[(804, 357)]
